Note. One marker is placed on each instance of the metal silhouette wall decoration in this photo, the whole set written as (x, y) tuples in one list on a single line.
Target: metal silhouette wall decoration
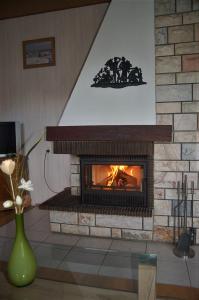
[(118, 72)]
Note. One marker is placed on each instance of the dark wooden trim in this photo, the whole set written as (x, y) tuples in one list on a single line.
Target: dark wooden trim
[(113, 133), (20, 8), (177, 292)]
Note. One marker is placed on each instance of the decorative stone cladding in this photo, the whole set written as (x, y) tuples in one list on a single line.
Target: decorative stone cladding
[(177, 104), (115, 226)]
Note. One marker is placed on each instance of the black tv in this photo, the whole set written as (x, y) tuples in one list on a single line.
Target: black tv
[(10, 138)]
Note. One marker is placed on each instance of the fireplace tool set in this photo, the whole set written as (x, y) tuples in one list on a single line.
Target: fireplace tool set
[(183, 231)]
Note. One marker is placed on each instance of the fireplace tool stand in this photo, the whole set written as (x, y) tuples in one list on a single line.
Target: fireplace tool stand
[(183, 235)]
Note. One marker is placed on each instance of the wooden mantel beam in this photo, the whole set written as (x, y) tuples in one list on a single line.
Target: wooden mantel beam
[(114, 133), (19, 8)]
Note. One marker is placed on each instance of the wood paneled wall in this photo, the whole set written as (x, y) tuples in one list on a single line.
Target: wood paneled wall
[(36, 97)]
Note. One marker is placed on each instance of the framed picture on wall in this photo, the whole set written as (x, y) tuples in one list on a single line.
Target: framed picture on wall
[(39, 53)]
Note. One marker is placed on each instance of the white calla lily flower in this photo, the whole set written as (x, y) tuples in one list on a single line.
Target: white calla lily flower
[(7, 166), (19, 200), (26, 185), (8, 204)]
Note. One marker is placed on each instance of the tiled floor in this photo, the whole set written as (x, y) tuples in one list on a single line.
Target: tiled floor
[(97, 255)]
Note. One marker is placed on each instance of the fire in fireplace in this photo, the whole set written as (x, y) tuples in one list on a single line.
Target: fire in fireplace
[(117, 177), (115, 181)]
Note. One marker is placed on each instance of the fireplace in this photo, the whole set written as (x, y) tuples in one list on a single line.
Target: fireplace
[(115, 163), (116, 180), (111, 188)]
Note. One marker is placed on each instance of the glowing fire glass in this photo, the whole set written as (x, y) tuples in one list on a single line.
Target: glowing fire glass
[(117, 177)]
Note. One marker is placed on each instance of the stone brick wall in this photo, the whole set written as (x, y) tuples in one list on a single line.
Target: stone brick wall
[(90, 224), (177, 104)]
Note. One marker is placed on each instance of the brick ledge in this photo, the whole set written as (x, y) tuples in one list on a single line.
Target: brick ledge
[(64, 201)]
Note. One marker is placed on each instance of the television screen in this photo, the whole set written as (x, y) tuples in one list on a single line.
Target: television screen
[(9, 138)]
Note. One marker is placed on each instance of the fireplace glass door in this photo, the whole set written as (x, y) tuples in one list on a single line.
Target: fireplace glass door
[(115, 177), (114, 181)]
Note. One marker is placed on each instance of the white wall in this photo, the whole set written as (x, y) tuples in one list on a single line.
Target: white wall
[(127, 30), (36, 97)]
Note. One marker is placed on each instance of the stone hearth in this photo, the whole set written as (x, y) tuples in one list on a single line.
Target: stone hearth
[(68, 215)]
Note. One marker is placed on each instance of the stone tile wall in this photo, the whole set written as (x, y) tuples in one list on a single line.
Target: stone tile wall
[(177, 104), (114, 226)]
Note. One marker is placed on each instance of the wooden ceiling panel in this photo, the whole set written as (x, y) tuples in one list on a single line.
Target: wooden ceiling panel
[(19, 8)]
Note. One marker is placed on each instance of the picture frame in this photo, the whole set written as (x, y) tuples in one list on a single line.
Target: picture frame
[(39, 53)]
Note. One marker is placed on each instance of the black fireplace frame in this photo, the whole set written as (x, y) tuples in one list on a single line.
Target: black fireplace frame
[(118, 198)]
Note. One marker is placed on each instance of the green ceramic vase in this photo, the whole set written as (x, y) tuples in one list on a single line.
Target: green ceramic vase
[(22, 264)]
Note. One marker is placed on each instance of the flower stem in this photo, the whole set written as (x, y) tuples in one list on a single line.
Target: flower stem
[(13, 193)]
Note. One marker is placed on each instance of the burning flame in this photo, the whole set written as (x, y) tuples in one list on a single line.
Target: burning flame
[(117, 176), (114, 172)]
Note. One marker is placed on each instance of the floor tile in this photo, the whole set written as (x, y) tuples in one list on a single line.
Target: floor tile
[(118, 252), (6, 247), (118, 272), (80, 268), (97, 243), (8, 230), (42, 225), (59, 246), (4, 239), (31, 220), (170, 272), (9, 241), (33, 216), (60, 238), (193, 269), (85, 258), (129, 246), (35, 210), (43, 212), (5, 251), (34, 245), (50, 256), (119, 262), (89, 250), (120, 266), (39, 236), (195, 259), (164, 251)]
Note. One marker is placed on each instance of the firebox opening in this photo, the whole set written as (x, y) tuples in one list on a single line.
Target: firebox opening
[(116, 177), (116, 181)]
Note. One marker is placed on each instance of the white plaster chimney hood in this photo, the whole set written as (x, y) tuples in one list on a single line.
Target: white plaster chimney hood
[(126, 31)]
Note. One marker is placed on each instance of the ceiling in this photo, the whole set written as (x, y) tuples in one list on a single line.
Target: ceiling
[(19, 8)]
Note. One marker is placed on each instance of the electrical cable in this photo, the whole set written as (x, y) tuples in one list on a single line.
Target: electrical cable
[(47, 151)]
